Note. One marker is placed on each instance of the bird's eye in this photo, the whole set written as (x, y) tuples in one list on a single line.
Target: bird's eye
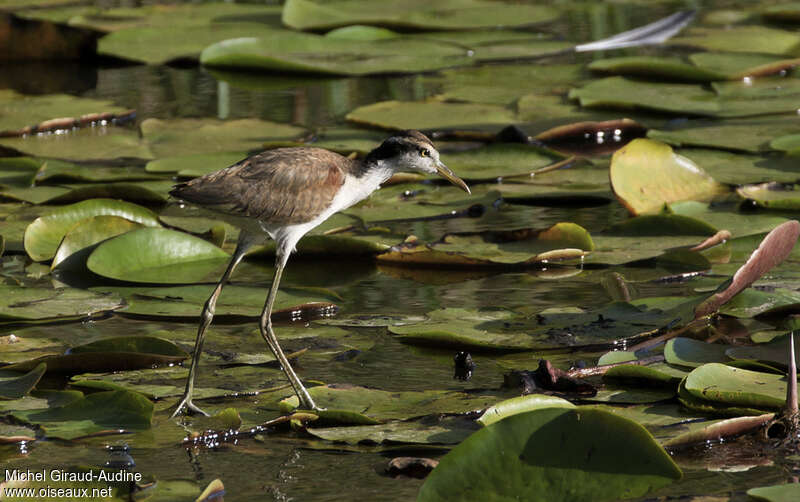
[(424, 152)]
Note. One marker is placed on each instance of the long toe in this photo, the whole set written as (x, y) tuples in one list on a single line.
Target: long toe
[(190, 407)]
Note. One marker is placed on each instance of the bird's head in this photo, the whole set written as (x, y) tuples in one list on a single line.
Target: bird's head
[(412, 150)]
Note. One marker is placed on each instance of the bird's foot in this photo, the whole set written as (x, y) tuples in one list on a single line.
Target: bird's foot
[(191, 408)]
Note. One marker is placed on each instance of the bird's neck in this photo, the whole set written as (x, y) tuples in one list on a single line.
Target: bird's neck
[(379, 170)]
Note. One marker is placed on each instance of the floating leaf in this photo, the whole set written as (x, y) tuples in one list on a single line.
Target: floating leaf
[(655, 68), (445, 431), (788, 492), (85, 234), (383, 405), (755, 39), (694, 353), (34, 304), (776, 351), (521, 404), (547, 449), (187, 301), (15, 386), (179, 137), (432, 115), (738, 387), (288, 51), (646, 174), (101, 411), (43, 236), (772, 195), (619, 92), (152, 255), (744, 135), (418, 14), (562, 241), (194, 165)]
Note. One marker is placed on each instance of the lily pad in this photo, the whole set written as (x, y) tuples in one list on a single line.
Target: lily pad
[(754, 39), (18, 110), (187, 301), (778, 493), (562, 241), (398, 115), (102, 411), (776, 351), (647, 174), (742, 135), (521, 404), (288, 51), (465, 330), (445, 431), (43, 236), (655, 68), (772, 195), (417, 14), (156, 255), (194, 165), (542, 455), (733, 386), (85, 234), (384, 405), (179, 137), (15, 386), (37, 304), (694, 353)]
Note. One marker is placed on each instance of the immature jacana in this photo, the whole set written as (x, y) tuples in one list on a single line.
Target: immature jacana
[(284, 193)]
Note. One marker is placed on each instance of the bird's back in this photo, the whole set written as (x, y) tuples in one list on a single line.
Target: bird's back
[(281, 187)]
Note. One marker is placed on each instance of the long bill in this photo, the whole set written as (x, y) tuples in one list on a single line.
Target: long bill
[(447, 174)]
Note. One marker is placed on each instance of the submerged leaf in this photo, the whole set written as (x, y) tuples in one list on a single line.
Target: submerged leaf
[(15, 386)]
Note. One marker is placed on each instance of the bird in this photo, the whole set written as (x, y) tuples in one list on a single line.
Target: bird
[(282, 194)]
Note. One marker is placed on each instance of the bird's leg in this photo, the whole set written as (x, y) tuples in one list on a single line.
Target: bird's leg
[(205, 320), (272, 341)]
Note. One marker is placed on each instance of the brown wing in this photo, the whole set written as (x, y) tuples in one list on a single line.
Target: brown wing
[(282, 186)]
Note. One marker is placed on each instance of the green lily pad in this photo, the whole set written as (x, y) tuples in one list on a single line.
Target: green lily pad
[(655, 68), (18, 110), (752, 302), (288, 51), (59, 171), (694, 353), (14, 386), (662, 375), (37, 304), (772, 195), (43, 236), (101, 411), (776, 351), (739, 168), (499, 160), (562, 241), (156, 255), (778, 493), (737, 65), (466, 330), (396, 115), (384, 405), (755, 39), (743, 135), (521, 404), (187, 301), (733, 386), (632, 396), (180, 137), (194, 165), (542, 455), (647, 174), (418, 14), (88, 143), (446, 431), (619, 92), (85, 234)]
